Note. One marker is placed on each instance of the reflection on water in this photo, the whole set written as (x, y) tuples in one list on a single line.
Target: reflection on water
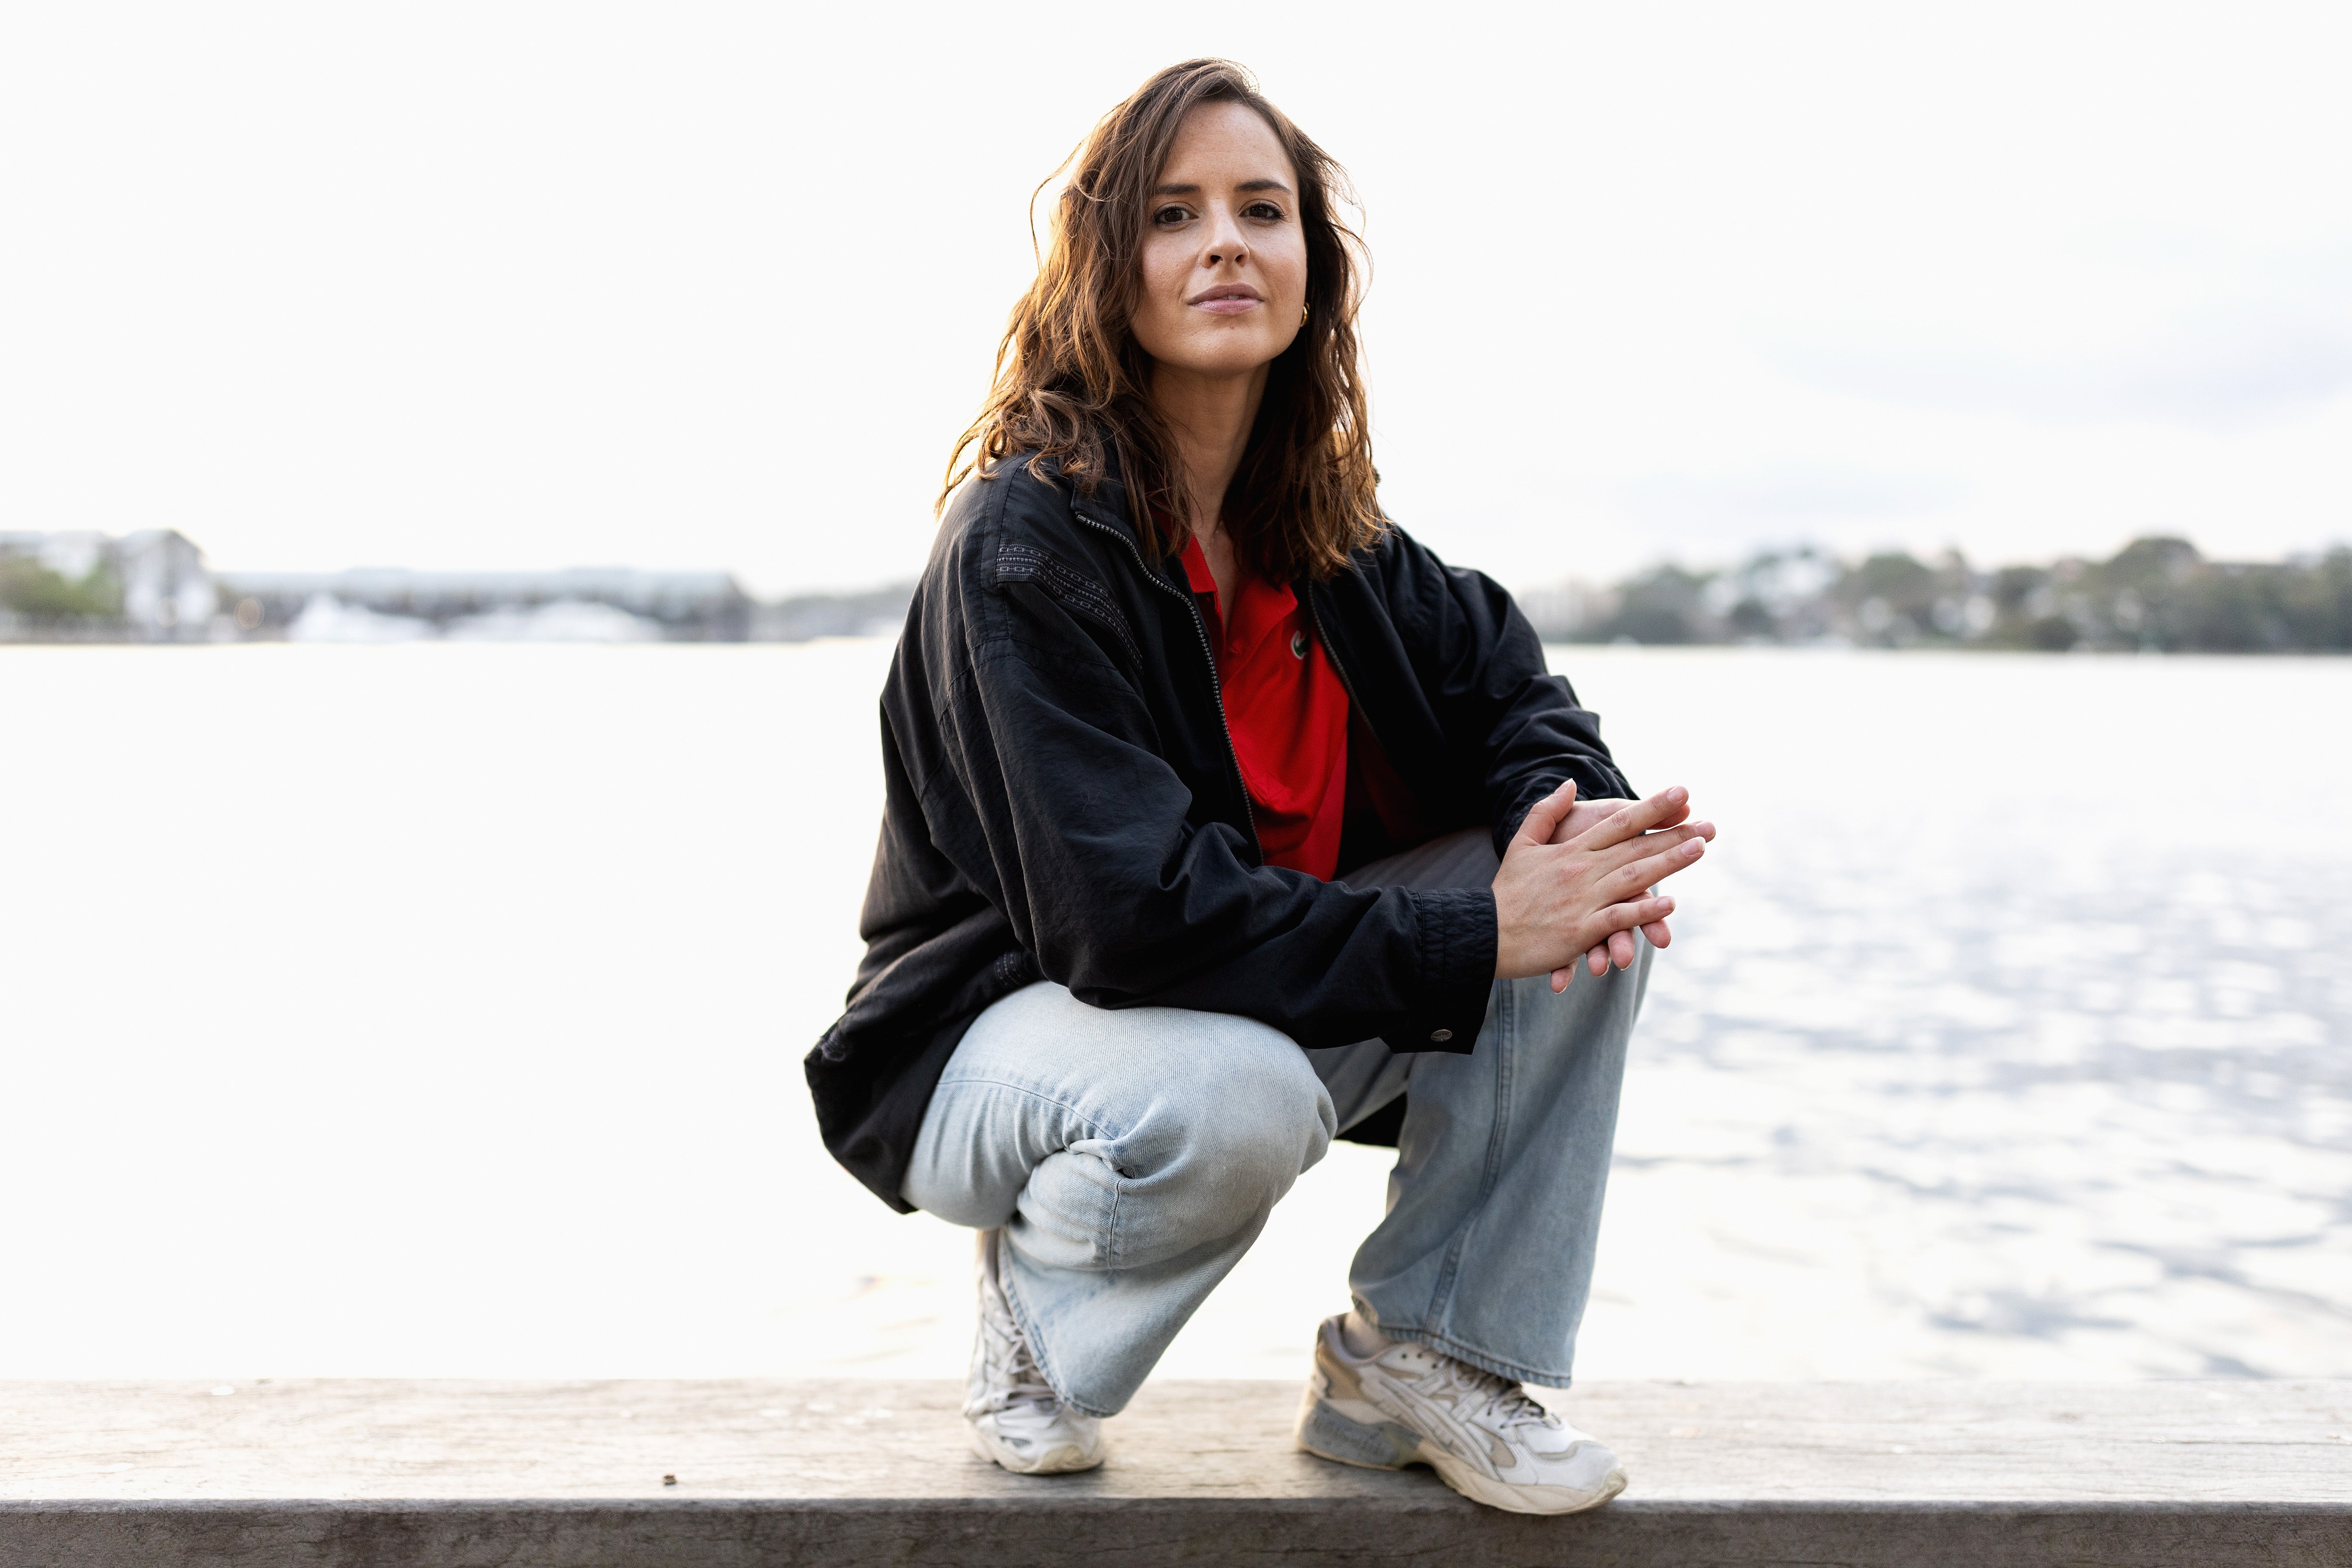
[(438, 1009), (2030, 1059), (2103, 1123)]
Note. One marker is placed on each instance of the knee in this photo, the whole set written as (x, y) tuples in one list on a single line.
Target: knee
[(1238, 1124)]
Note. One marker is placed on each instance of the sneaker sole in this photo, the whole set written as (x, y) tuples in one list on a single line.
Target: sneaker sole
[(1064, 1460), (1514, 1498), (1388, 1446)]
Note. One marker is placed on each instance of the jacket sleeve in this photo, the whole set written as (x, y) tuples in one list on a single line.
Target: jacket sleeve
[(1046, 791), (1481, 667)]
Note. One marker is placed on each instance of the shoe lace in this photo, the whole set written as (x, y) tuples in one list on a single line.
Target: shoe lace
[(1489, 1398), (1014, 1378)]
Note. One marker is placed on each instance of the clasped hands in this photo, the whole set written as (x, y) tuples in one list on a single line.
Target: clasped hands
[(1579, 879)]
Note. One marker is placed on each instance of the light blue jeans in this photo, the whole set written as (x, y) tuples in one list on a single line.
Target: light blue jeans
[(1133, 1154)]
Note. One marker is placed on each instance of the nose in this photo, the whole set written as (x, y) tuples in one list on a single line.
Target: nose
[(1224, 242)]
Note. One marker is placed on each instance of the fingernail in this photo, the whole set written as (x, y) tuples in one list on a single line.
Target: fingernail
[(1665, 907), (1677, 795)]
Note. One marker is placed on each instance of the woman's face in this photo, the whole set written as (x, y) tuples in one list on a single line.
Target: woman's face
[(1224, 259)]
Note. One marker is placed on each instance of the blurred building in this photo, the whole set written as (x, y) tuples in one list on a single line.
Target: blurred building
[(152, 585), (148, 586), (878, 612), (165, 587), (575, 604)]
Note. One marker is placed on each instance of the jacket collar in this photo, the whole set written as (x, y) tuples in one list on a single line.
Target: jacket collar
[(1108, 508)]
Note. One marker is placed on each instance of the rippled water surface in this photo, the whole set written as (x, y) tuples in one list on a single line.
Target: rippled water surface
[(437, 1010)]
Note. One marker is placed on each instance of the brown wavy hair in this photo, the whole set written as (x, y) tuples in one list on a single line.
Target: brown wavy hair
[(1072, 383)]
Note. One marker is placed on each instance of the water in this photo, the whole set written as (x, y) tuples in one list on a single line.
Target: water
[(436, 1011)]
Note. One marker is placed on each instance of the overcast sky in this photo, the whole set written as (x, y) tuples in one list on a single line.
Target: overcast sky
[(683, 285)]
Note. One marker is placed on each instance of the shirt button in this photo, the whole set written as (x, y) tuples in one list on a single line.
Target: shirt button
[(1440, 1036)]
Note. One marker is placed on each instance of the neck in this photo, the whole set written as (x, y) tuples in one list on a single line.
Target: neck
[(1210, 416)]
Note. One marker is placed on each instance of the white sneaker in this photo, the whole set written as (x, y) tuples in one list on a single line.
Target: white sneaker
[(1016, 1418), (1406, 1404)]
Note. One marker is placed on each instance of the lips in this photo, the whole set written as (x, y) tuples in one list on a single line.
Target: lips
[(1228, 299)]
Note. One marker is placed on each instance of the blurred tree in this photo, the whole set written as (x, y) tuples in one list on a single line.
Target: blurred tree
[(2224, 612), (2139, 597), (37, 593), (2156, 594), (1889, 599), (1752, 621), (2316, 603), (1664, 605), (2051, 633)]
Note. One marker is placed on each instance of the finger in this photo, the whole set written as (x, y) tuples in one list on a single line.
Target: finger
[(1657, 932), (1597, 960), (1587, 807), (1560, 978), (1654, 870), (1621, 948), (1546, 814), (1674, 813), (1637, 818), (1626, 916), (1651, 843)]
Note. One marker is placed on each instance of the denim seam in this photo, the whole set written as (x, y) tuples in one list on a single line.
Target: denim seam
[(1005, 1278), (1507, 1019), (1114, 1244), (1044, 1357), (1478, 1358), (1093, 1129)]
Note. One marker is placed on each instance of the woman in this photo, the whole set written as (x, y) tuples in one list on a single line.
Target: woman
[(1224, 818)]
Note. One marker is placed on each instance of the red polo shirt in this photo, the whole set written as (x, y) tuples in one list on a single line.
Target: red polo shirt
[(1287, 715)]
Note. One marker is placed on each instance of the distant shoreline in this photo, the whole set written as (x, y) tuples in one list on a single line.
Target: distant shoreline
[(2155, 595)]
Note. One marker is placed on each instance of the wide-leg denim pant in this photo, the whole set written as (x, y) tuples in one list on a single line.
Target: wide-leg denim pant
[(1133, 1154)]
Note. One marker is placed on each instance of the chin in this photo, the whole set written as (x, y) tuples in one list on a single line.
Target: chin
[(1230, 356)]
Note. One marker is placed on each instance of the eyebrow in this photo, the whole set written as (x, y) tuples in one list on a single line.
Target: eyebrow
[(1244, 186)]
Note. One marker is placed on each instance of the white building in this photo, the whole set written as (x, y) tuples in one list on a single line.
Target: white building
[(165, 587), (167, 594)]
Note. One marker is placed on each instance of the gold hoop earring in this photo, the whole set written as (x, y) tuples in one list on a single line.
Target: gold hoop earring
[(1304, 312)]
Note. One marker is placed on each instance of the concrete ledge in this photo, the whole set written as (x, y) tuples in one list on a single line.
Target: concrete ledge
[(571, 1475)]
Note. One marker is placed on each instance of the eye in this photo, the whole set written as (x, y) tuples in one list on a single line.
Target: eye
[(1169, 216), (1264, 212)]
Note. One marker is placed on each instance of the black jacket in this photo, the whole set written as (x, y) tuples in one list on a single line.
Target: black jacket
[(1063, 803)]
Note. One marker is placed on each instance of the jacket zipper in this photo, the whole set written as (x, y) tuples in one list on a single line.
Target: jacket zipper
[(1209, 655)]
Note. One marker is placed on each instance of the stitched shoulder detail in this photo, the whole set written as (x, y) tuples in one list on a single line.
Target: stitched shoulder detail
[(1019, 562)]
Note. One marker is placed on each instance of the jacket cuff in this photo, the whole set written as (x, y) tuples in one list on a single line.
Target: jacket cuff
[(1457, 969)]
